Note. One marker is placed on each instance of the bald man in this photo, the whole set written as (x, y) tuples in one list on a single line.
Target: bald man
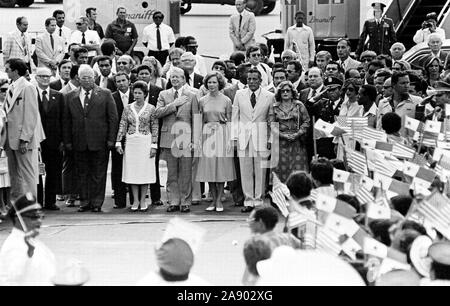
[(89, 130)]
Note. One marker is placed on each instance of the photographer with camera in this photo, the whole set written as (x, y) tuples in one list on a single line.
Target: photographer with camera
[(429, 26)]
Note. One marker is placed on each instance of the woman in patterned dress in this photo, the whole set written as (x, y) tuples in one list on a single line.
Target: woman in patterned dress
[(140, 127), (290, 127)]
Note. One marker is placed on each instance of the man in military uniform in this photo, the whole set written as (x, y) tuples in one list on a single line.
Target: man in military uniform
[(327, 107), (380, 30)]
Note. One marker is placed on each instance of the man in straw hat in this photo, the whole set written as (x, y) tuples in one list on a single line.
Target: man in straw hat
[(24, 260)]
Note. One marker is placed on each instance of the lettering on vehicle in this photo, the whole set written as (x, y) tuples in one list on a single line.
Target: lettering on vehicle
[(321, 20), (143, 16)]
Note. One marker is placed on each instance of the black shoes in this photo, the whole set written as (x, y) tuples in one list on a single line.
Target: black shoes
[(185, 209), (83, 209), (157, 203), (173, 208)]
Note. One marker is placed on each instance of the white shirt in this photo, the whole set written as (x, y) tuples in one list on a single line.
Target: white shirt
[(301, 41), (17, 269), (190, 82), (149, 36), (424, 35), (41, 91), (318, 90), (104, 81), (66, 33), (83, 95), (91, 38), (344, 64), (72, 87), (125, 97)]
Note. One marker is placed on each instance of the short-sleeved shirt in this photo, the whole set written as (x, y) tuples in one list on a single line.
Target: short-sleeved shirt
[(149, 36), (122, 33), (91, 38)]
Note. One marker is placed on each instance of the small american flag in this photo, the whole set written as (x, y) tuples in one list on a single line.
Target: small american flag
[(279, 195), (371, 134), (357, 161), (385, 167), (402, 151), (364, 195), (437, 215), (353, 124)]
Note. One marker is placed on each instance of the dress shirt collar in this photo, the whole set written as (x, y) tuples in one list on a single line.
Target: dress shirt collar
[(42, 90), (372, 111)]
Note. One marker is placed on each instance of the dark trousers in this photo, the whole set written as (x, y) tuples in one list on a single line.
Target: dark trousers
[(52, 158), (161, 56), (120, 188), (236, 186), (92, 167), (70, 180)]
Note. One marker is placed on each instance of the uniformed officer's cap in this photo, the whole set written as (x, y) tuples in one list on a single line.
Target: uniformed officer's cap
[(440, 253), (26, 204), (378, 6), (333, 82)]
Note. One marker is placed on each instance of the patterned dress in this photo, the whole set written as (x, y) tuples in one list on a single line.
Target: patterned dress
[(288, 156)]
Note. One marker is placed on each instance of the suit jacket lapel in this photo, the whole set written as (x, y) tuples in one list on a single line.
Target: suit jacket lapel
[(19, 41), (78, 101), (92, 100), (48, 43)]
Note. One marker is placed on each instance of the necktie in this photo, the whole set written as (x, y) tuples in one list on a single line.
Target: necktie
[(86, 100), (66, 82), (314, 93), (158, 38), (240, 21), (60, 32), (83, 40), (253, 100), (52, 41), (9, 98), (45, 100), (24, 44), (176, 95)]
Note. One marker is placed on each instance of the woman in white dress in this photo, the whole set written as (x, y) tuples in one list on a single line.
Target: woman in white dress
[(140, 127)]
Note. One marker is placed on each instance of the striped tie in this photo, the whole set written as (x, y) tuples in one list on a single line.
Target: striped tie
[(8, 99)]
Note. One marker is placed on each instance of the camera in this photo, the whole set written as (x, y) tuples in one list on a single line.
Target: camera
[(428, 25)]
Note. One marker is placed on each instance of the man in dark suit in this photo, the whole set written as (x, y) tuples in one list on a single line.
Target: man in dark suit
[(144, 73), (105, 80), (309, 97), (51, 106), (294, 72), (122, 97), (89, 129), (64, 75), (381, 32)]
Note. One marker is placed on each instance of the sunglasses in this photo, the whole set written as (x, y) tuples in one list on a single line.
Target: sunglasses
[(256, 55), (3, 90), (351, 89)]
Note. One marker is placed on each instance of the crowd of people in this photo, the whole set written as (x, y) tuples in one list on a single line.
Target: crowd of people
[(330, 138)]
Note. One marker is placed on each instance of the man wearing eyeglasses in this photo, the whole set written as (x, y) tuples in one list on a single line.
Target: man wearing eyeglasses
[(158, 38), (254, 57), (24, 260), (125, 64), (51, 105), (88, 39)]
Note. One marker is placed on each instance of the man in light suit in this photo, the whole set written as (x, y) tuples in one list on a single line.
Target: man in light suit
[(50, 47), (177, 108), (89, 129), (242, 27), (18, 44), (24, 130), (343, 51), (252, 117)]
